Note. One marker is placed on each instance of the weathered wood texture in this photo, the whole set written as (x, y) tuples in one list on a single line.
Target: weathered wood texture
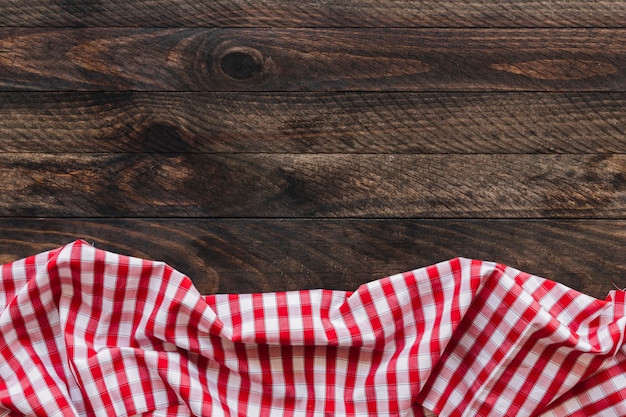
[(427, 123), (271, 255), (313, 185), (312, 13), (312, 59), (318, 143)]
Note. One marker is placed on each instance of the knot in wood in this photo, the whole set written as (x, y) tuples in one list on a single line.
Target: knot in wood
[(161, 137), (241, 65)]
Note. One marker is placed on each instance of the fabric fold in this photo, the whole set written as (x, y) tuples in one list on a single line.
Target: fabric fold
[(86, 332)]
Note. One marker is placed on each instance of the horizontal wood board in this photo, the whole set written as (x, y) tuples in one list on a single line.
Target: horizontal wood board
[(156, 59), (313, 185), (300, 122), (312, 13), (249, 255)]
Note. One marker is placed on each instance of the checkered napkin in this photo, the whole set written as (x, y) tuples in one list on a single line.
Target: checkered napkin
[(85, 332)]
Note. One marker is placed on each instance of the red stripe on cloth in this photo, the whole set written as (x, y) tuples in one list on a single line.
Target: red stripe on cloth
[(85, 332)]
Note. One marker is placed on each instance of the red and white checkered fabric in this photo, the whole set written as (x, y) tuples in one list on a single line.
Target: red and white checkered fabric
[(85, 332)]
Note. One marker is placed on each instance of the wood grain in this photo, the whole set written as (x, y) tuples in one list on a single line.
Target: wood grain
[(313, 185), (336, 13), (276, 145), (152, 59), (250, 255), (460, 123)]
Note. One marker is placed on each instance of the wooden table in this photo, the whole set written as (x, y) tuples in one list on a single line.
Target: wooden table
[(277, 145)]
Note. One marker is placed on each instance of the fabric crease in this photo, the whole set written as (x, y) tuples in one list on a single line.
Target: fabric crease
[(86, 332)]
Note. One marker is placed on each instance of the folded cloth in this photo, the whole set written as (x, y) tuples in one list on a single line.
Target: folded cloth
[(86, 332)]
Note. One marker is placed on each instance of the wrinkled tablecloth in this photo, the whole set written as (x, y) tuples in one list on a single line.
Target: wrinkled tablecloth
[(86, 332)]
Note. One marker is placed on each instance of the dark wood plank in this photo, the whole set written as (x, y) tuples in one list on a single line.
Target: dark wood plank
[(339, 13), (398, 122), (313, 185), (272, 255), (312, 59)]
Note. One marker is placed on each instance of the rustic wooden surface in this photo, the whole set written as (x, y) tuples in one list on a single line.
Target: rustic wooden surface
[(283, 145)]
